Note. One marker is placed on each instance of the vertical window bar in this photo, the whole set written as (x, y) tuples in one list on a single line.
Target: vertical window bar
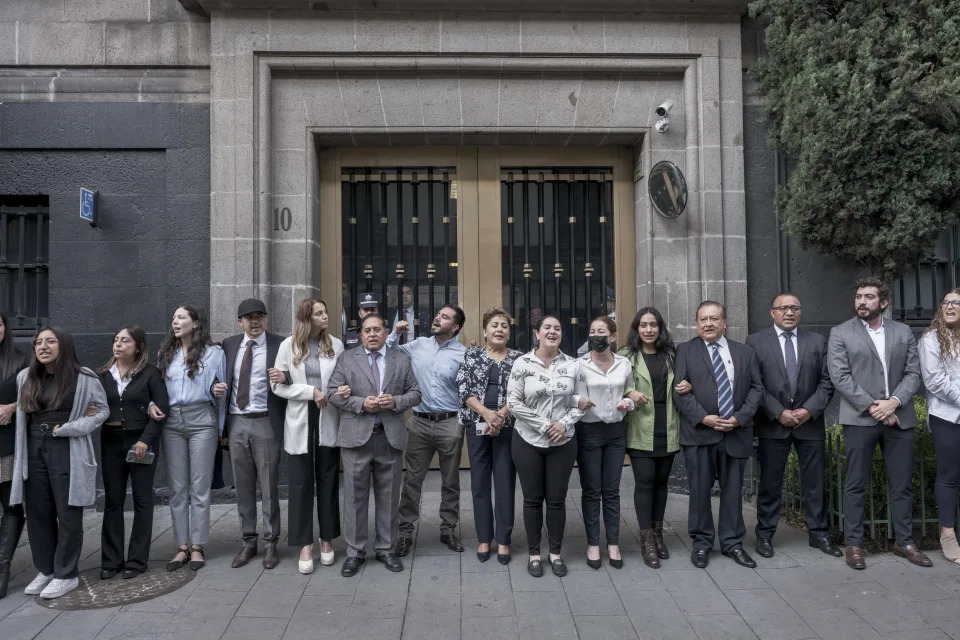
[(5, 278), (606, 217), (903, 301), (572, 220), (21, 295), (446, 236), (557, 265), (588, 253), (510, 266), (400, 271), (541, 276), (41, 268), (385, 230), (527, 267), (370, 265), (415, 223), (354, 258), (432, 266), (918, 306)]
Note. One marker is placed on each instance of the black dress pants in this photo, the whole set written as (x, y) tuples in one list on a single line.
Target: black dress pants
[(114, 445), (772, 454), (9, 510), (600, 451), (54, 528), (651, 478), (706, 463), (491, 463), (544, 474), (896, 444), (318, 468), (946, 444)]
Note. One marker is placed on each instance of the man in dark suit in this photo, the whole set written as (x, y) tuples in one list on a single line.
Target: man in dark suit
[(254, 429), (371, 440), (716, 433), (796, 391), (875, 368)]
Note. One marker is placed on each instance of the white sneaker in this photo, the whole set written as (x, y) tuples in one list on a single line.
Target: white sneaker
[(59, 587), (38, 584)]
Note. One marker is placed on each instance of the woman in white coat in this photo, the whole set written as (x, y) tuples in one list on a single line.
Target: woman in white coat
[(304, 364)]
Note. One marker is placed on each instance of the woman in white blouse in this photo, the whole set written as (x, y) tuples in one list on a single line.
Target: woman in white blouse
[(540, 397), (603, 390), (304, 364), (939, 350)]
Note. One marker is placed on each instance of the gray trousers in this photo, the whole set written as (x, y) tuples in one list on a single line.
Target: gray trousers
[(255, 454), (190, 437), (424, 437), (374, 463)]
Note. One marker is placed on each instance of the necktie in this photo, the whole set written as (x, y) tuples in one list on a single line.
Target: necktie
[(724, 390), (374, 369), (790, 359), (243, 385)]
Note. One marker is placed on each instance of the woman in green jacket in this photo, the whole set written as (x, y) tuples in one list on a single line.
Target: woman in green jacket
[(653, 428)]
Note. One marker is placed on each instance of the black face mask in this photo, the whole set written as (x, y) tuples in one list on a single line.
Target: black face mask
[(598, 343)]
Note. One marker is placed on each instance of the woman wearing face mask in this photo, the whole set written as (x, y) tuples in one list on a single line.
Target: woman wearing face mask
[(653, 429), (11, 523), (55, 467), (482, 381), (604, 383), (540, 397), (137, 398), (191, 366), (308, 358), (940, 365)]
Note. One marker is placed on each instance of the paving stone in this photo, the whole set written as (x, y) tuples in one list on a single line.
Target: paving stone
[(273, 596), (839, 624), (768, 614), (255, 629), (487, 595), (603, 627), (722, 627), (490, 628), (592, 594), (319, 615), (696, 594), (919, 634), (552, 619), (365, 628)]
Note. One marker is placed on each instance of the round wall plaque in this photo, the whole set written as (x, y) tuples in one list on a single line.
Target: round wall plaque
[(668, 189)]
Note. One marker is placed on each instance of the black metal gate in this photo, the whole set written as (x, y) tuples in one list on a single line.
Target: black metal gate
[(400, 233), (24, 261), (556, 249)]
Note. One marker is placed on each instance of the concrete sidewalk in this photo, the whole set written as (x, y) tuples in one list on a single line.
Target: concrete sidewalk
[(800, 593)]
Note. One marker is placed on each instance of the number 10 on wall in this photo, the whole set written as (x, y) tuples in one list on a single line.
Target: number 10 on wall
[(282, 219)]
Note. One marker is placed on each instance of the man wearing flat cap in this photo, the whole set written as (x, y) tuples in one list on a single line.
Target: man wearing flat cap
[(254, 429), (367, 304)]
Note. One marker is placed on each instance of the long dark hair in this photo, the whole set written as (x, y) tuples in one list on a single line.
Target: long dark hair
[(66, 368), (139, 352), (199, 341), (664, 345), (12, 359)]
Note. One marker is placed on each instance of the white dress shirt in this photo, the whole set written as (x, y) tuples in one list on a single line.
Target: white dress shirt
[(381, 364), (259, 384), (605, 390), (880, 342), (121, 382), (724, 355)]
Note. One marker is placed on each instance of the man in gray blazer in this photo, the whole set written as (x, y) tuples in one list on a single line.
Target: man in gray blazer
[(875, 368), (371, 440), (796, 391), (716, 430)]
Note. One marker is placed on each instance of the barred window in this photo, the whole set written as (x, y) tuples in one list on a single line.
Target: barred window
[(917, 293), (24, 261)]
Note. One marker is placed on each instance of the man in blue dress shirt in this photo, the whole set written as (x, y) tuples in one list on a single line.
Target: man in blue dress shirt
[(433, 427)]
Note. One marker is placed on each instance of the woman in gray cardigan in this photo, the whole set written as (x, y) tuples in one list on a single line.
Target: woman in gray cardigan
[(54, 465)]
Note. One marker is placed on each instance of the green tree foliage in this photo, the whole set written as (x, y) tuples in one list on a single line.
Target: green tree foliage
[(864, 96)]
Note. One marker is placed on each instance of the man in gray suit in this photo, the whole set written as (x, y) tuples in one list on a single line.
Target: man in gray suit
[(716, 430), (371, 440), (875, 368), (796, 391)]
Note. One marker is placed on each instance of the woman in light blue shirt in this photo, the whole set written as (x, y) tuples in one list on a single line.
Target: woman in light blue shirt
[(193, 368)]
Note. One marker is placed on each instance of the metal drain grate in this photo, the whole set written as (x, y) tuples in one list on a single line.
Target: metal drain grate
[(94, 593)]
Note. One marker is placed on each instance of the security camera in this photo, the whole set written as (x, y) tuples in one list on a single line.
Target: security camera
[(664, 108), (662, 125)]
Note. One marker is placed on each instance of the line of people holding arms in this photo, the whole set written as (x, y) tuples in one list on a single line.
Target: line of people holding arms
[(527, 416)]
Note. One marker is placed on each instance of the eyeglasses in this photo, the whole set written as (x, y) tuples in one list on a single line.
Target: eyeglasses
[(49, 342), (950, 303), (788, 307)]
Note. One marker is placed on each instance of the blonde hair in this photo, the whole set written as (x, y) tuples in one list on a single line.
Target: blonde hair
[(948, 339), (301, 333)]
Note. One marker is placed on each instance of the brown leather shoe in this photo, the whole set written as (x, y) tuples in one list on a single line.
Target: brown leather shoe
[(403, 546), (912, 553), (855, 558), (648, 547), (270, 557), (452, 541), (243, 557)]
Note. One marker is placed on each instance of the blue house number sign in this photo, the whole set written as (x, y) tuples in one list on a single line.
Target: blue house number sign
[(88, 206)]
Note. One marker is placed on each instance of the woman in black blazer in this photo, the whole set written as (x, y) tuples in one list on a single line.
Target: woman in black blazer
[(11, 524), (138, 405)]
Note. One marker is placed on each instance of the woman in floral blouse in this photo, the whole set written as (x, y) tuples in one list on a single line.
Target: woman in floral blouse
[(482, 381)]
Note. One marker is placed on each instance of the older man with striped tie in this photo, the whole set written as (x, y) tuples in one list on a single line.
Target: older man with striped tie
[(716, 430)]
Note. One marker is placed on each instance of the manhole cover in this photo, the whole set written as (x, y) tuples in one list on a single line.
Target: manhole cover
[(94, 593)]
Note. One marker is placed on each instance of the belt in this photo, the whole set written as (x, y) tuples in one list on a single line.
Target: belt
[(378, 428), (252, 416), (43, 427), (436, 417)]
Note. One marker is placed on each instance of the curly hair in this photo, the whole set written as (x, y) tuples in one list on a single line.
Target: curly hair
[(948, 338)]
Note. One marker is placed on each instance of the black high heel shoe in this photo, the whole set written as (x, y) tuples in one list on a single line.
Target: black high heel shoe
[(483, 556), (594, 564), (197, 564), (175, 564)]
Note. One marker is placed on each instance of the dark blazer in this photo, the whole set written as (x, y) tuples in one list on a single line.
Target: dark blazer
[(353, 370), (814, 388), (8, 395), (276, 406), (695, 365), (131, 409)]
